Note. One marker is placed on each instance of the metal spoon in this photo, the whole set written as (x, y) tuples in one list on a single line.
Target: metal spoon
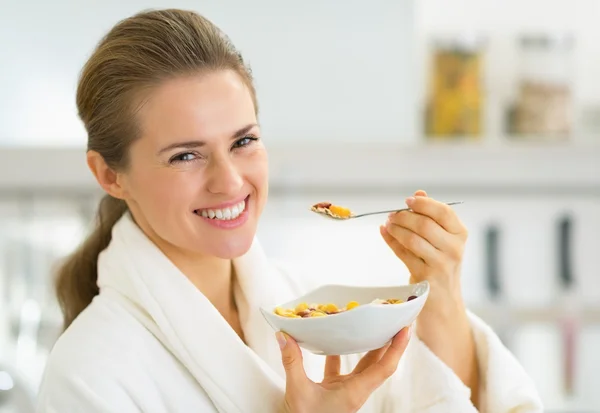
[(325, 212)]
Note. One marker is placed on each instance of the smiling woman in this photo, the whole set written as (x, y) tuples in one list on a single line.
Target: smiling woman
[(162, 301), (199, 149), (164, 149)]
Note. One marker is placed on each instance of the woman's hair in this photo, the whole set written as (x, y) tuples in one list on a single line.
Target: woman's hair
[(137, 54)]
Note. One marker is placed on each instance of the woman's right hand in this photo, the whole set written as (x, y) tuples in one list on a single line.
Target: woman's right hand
[(337, 393)]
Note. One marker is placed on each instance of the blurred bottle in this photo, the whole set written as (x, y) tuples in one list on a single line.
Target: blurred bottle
[(454, 108), (543, 104)]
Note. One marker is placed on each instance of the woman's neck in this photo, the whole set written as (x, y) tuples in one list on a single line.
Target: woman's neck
[(213, 277)]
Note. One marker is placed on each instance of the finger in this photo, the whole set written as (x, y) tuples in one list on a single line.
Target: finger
[(291, 358), (412, 262), (374, 375), (438, 211), (427, 228), (420, 192), (368, 359), (416, 244), (332, 366)]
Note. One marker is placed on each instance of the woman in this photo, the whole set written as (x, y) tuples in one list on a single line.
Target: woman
[(161, 301)]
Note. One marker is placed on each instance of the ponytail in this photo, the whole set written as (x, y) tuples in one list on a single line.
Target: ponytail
[(77, 277), (138, 53)]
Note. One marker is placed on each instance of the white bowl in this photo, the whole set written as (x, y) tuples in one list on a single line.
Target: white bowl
[(364, 328)]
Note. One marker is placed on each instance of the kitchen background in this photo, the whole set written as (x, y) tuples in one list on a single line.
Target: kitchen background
[(494, 102)]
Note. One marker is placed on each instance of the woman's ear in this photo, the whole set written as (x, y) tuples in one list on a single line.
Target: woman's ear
[(106, 176)]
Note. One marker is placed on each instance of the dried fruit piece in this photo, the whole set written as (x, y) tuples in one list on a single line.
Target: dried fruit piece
[(280, 311), (323, 205), (335, 211), (340, 211), (286, 313), (317, 314), (351, 305), (301, 307), (412, 297), (329, 308)]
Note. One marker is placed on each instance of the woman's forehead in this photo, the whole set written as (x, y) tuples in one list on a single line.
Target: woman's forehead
[(206, 107)]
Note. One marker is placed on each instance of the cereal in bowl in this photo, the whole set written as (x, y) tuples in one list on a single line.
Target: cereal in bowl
[(304, 310)]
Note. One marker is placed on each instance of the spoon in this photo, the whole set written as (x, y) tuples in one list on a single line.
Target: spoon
[(338, 213)]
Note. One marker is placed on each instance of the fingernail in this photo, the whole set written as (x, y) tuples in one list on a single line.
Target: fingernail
[(410, 200), (281, 340)]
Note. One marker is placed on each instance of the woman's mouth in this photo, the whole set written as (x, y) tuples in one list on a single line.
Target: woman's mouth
[(233, 215), (225, 213)]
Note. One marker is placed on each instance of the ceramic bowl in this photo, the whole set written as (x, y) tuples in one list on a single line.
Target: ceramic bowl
[(364, 328)]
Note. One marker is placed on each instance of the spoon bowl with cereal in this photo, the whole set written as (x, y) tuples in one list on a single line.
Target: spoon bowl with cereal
[(343, 319), (340, 213)]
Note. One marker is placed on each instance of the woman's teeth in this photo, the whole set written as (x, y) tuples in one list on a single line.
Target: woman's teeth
[(224, 214)]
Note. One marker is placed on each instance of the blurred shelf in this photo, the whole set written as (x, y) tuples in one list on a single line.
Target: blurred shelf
[(494, 314), (467, 167)]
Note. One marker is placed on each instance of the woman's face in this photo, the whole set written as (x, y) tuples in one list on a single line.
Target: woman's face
[(198, 176)]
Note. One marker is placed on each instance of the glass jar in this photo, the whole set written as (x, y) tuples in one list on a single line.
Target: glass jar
[(544, 102), (454, 108)]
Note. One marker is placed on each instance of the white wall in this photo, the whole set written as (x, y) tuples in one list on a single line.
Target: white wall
[(324, 69)]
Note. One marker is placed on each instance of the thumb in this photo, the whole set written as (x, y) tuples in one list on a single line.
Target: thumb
[(291, 358)]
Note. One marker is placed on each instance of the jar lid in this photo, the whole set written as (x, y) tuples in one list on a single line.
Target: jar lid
[(461, 42), (547, 40)]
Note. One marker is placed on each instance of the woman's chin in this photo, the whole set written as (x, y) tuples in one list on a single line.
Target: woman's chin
[(230, 247)]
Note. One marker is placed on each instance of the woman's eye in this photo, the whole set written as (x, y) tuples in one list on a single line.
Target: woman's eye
[(183, 157), (245, 141)]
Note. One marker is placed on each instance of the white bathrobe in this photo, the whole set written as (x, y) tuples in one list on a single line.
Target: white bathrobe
[(151, 342)]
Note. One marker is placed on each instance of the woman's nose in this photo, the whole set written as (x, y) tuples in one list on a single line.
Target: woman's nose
[(225, 178)]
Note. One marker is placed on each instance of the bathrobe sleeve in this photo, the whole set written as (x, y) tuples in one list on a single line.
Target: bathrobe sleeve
[(90, 369), (90, 384), (76, 393), (425, 384)]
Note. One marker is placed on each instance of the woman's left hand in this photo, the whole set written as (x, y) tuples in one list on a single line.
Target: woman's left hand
[(430, 240)]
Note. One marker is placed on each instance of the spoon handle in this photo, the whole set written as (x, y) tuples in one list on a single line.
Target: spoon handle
[(380, 212), (398, 210)]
